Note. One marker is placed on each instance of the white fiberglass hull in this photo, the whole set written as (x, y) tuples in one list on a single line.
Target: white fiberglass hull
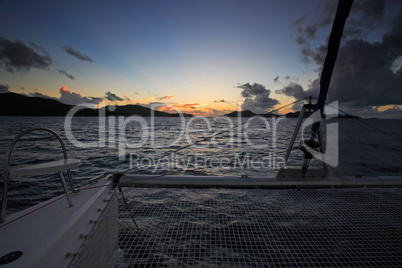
[(50, 233)]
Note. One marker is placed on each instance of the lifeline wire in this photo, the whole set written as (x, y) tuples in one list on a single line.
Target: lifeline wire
[(360, 120), (218, 133)]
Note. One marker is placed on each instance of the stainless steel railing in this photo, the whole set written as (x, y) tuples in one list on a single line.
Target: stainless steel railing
[(7, 170)]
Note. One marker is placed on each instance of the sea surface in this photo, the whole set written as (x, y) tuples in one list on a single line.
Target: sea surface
[(190, 146)]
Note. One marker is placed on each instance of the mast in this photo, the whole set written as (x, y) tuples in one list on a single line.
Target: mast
[(334, 41)]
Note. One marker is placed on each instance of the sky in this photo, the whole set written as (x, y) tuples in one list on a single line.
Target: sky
[(203, 57)]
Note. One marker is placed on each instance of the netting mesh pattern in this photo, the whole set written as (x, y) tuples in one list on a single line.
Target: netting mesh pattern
[(261, 228), (100, 248)]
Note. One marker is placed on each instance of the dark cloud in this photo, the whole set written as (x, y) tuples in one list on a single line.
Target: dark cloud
[(67, 74), (365, 15), (95, 100), (365, 73), (369, 8), (67, 97), (215, 112), (296, 90), (73, 98), (393, 39), (257, 98), (307, 29), (277, 79), (252, 90), (112, 97), (40, 95), (292, 90), (4, 89), (76, 54), (299, 21), (16, 56), (38, 47), (220, 101), (311, 29)]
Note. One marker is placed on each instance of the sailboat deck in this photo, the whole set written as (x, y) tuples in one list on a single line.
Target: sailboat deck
[(260, 228)]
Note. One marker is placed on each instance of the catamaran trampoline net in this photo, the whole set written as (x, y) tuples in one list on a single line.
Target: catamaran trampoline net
[(260, 228)]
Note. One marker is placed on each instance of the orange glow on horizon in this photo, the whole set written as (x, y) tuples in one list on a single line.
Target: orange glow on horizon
[(166, 97), (285, 111), (194, 108), (387, 107), (201, 109), (146, 101), (181, 107)]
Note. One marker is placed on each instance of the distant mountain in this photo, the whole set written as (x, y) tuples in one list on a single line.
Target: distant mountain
[(19, 105), (349, 116), (182, 114), (246, 113), (297, 114), (13, 104), (307, 114), (133, 109)]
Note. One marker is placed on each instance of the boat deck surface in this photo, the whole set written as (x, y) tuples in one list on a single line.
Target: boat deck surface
[(218, 227)]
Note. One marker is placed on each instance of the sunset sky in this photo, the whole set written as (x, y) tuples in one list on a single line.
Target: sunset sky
[(205, 57)]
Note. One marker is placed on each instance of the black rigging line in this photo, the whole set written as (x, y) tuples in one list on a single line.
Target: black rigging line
[(116, 182), (218, 133), (228, 129), (364, 122)]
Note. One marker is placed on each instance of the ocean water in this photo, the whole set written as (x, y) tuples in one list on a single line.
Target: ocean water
[(166, 145)]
